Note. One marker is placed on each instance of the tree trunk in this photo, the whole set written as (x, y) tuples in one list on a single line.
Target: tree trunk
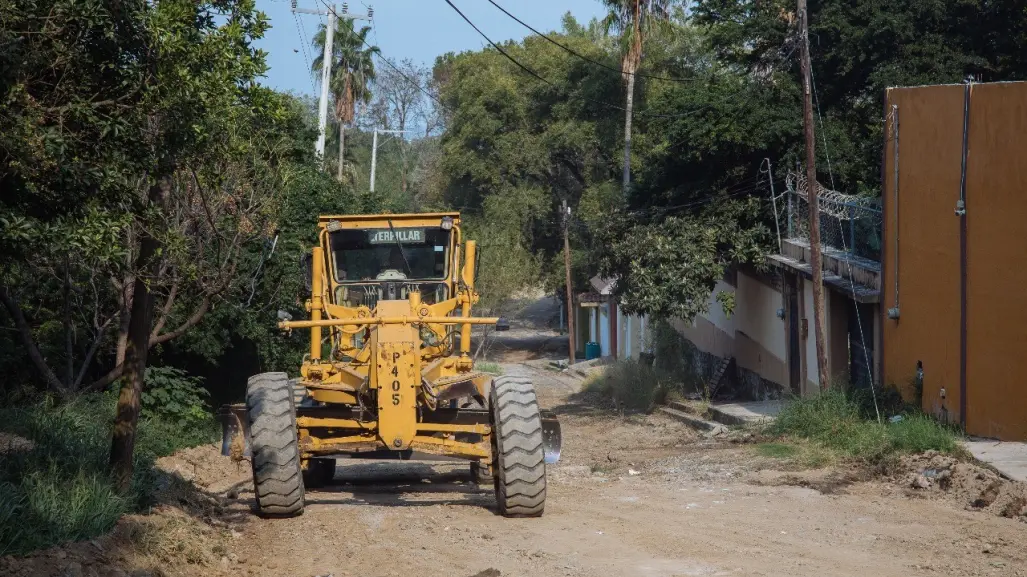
[(342, 148), (629, 106), (126, 415), (69, 345)]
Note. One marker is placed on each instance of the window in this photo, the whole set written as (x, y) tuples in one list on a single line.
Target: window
[(393, 254)]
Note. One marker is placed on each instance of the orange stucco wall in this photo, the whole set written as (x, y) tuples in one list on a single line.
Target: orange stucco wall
[(927, 230)]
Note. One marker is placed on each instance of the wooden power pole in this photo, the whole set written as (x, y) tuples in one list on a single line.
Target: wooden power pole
[(565, 214), (812, 196)]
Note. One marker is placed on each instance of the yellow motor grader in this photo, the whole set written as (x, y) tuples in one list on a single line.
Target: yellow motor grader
[(389, 372)]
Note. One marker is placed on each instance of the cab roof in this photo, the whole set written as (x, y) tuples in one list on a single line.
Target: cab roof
[(382, 220)]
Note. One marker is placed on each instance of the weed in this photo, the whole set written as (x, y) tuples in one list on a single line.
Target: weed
[(489, 367), (777, 450), (836, 423)]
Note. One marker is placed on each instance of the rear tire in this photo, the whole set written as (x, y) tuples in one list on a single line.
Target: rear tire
[(299, 392), (319, 472), (518, 458), (277, 477)]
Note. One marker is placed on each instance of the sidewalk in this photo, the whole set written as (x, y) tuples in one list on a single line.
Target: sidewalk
[(1008, 458)]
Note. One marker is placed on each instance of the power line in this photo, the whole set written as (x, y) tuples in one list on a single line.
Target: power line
[(538, 77), (384, 59), (586, 58), (303, 45)]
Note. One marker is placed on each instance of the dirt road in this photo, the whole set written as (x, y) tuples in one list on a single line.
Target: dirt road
[(640, 496)]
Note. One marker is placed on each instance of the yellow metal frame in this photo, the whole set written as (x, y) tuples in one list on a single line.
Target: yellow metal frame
[(406, 376)]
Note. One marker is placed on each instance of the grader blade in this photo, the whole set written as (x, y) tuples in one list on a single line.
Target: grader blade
[(551, 437)]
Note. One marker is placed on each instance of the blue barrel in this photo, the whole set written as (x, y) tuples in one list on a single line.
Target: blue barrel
[(592, 351)]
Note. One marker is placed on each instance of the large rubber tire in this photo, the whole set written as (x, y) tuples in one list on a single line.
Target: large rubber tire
[(277, 477), (299, 392), (518, 466), (319, 472)]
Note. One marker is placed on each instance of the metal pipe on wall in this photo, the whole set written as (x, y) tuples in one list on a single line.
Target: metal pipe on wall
[(893, 313), (961, 213)]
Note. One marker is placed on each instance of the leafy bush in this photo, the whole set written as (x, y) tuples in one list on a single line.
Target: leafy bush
[(173, 395), (58, 490), (836, 421)]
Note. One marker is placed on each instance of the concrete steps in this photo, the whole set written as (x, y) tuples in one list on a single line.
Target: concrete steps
[(685, 414)]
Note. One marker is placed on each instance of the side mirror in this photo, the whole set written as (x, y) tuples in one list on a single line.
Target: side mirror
[(503, 324), (307, 269)]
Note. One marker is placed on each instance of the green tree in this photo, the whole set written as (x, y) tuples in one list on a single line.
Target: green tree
[(352, 74)]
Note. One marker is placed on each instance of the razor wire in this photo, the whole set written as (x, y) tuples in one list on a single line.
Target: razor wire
[(848, 223)]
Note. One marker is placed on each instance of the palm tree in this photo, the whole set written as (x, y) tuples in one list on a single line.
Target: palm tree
[(633, 20), (352, 73)]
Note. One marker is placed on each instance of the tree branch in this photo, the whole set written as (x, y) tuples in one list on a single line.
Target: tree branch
[(25, 331), (165, 311), (90, 354), (189, 323)]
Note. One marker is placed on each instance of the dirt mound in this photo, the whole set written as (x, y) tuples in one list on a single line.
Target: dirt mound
[(968, 483), (205, 467)]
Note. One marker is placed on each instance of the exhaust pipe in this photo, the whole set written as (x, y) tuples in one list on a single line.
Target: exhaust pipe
[(552, 439), (235, 429)]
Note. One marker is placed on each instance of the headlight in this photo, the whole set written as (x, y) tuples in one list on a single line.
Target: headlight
[(447, 223)]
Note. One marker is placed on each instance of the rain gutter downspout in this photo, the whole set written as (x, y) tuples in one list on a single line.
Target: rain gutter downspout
[(961, 213)]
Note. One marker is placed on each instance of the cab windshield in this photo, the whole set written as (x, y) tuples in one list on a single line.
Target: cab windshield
[(374, 254)]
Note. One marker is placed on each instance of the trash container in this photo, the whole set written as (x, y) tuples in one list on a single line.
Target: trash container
[(592, 351)]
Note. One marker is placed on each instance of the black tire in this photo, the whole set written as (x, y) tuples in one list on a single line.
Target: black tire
[(319, 472), (518, 463), (480, 474), (299, 392), (277, 477)]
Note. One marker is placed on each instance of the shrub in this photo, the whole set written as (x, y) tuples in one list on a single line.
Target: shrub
[(632, 385), (58, 490)]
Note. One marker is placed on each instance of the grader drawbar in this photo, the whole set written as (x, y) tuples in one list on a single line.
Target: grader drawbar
[(389, 372)]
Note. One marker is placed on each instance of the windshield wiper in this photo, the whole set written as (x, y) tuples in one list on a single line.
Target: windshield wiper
[(402, 251)]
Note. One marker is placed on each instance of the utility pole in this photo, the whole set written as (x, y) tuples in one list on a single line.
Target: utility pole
[(812, 196), (566, 215), (374, 149), (326, 65)]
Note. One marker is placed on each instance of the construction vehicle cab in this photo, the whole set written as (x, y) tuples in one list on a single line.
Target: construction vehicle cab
[(389, 371)]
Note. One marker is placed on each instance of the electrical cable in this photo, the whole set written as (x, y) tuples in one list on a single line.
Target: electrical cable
[(586, 58), (386, 60), (538, 77)]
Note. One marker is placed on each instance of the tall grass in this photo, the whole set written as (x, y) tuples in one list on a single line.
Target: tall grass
[(58, 490), (837, 422), (632, 385)]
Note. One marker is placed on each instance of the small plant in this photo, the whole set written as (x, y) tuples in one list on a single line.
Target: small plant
[(489, 367)]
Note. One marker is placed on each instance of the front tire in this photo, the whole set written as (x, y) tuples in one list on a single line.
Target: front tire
[(519, 464), (277, 476)]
